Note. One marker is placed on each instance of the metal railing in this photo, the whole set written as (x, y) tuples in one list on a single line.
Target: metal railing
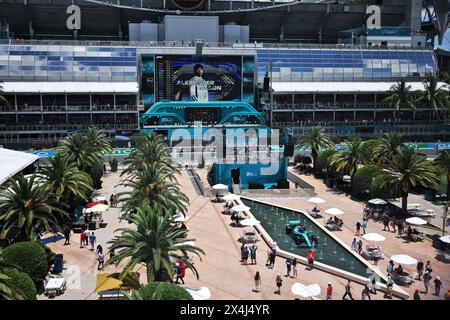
[(335, 123), (66, 127), (60, 108)]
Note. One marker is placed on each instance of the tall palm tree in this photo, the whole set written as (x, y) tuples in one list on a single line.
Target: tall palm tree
[(316, 138), (3, 100), (64, 179), (442, 161), (75, 149), (151, 150), (350, 157), (7, 291), (400, 96), (434, 95), (25, 203), (156, 242), (98, 140), (408, 169), (151, 186), (387, 146)]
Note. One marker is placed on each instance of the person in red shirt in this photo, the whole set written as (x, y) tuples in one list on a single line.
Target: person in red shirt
[(329, 291), (181, 272), (82, 239), (310, 256)]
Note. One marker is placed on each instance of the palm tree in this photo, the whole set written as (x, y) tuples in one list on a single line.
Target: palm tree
[(408, 169), (156, 242), (150, 186), (400, 96), (27, 202), (442, 161), (350, 157), (316, 138), (97, 140), (435, 96), (3, 100), (75, 149), (387, 146), (65, 180)]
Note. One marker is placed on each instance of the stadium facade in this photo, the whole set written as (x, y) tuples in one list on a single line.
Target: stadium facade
[(55, 85)]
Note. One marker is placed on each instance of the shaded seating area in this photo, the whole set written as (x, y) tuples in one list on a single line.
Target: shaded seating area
[(110, 287)]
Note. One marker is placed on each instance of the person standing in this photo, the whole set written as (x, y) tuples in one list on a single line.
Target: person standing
[(390, 267), (416, 295), (386, 222), (393, 224), (428, 267), (329, 292), (389, 286), (426, 280), (92, 240), (82, 239), (355, 245), (360, 247), (364, 225), (288, 267), (181, 271), (257, 282), (358, 228), (272, 259), (438, 286), (86, 239), (400, 228), (245, 254), (279, 283), (66, 235), (419, 270), (101, 259), (253, 254), (348, 291), (365, 293), (294, 268)]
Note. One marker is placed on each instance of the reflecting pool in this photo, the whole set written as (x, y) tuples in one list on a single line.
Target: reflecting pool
[(274, 220)]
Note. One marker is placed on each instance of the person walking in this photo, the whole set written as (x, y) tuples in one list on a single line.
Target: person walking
[(386, 222), (416, 295), (389, 286), (364, 225), (393, 224), (101, 259), (257, 282), (279, 283), (354, 245), (86, 239), (245, 254), (358, 228), (428, 267), (360, 247), (310, 256), (294, 268), (66, 235), (82, 239), (426, 280), (181, 271), (437, 286), (288, 267), (348, 291), (400, 228), (329, 295), (365, 293), (253, 254), (99, 248), (272, 259), (92, 240), (419, 270)]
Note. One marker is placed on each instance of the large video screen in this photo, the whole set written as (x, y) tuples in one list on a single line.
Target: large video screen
[(191, 78)]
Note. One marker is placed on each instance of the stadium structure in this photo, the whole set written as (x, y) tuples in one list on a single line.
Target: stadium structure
[(66, 65)]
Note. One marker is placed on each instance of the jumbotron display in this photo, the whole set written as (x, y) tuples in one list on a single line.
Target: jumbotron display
[(190, 78)]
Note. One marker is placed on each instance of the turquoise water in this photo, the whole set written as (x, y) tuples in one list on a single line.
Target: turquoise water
[(329, 251)]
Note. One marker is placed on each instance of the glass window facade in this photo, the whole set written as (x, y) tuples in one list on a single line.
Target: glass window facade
[(67, 63), (345, 65)]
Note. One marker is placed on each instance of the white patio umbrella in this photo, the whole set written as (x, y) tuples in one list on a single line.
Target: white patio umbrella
[(240, 208), (220, 186), (403, 259), (300, 289), (316, 200), (416, 221), (445, 239), (377, 201), (99, 198), (375, 237), (186, 243), (231, 197), (334, 211), (249, 222), (179, 218), (99, 208), (202, 293)]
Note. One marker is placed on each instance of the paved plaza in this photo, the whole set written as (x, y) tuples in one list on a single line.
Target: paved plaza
[(220, 269)]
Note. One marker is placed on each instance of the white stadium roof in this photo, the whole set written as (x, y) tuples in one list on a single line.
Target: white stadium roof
[(70, 87), (12, 162), (350, 87)]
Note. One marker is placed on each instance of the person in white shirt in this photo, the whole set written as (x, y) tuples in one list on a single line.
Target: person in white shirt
[(198, 86)]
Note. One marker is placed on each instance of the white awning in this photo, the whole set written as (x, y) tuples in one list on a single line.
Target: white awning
[(350, 87), (12, 162), (70, 87)]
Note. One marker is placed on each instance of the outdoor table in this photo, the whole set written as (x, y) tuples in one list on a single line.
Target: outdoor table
[(56, 285)]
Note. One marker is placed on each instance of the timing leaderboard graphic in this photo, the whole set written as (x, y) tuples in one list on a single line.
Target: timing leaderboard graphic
[(191, 78)]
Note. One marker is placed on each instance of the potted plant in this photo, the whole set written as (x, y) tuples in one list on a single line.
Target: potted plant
[(114, 164)]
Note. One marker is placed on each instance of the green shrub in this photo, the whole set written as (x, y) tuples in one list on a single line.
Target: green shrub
[(49, 253), (363, 177), (114, 164), (28, 257), (161, 291), (323, 159), (21, 283)]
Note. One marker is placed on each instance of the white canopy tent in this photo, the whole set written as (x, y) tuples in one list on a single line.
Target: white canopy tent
[(12, 162)]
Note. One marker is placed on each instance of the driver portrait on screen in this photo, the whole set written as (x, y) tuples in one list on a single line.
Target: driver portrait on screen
[(198, 86)]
